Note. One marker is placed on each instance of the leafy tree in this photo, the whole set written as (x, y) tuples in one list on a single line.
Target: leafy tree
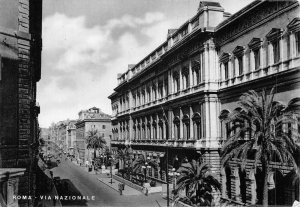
[(198, 181), (261, 131), (94, 141)]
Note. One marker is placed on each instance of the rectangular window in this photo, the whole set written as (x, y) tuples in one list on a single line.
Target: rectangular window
[(226, 70), (276, 51), (297, 35), (240, 62), (103, 126), (256, 59)]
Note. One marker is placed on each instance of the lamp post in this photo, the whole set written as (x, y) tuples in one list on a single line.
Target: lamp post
[(111, 159), (144, 167), (174, 174)]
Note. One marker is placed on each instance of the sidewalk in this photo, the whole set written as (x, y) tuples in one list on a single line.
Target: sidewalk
[(128, 191), (105, 179)]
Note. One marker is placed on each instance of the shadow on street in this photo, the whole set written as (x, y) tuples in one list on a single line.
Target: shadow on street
[(66, 188)]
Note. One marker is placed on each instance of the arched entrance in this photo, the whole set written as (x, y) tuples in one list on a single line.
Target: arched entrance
[(259, 177), (276, 194), (228, 181), (243, 187)]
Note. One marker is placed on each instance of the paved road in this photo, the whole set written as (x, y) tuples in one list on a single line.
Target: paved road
[(80, 182)]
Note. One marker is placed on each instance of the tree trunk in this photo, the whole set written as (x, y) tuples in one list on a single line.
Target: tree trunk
[(265, 187), (94, 153)]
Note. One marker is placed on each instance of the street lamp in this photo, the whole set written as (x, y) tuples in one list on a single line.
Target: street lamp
[(111, 159), (144, 167), (174, 174)]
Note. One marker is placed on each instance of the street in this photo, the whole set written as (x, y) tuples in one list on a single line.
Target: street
[(76, 181)]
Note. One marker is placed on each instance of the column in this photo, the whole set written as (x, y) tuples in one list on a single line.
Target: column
[(163, 88), (237, 184), (146, 127), (181, 123), (206, 63), (151, 127), (170, 82), (284, 49), (252, 181), (165, 128), (264, 54), (292, 41), (190, 74), (230, 67), (246, 59), (180, 80), (157, 128), (191, 123), (223, 183), (171, 125), (222, 72)]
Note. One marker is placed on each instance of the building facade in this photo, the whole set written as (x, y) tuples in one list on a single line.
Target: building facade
[(91, 119), (176, 97), (20, 70)]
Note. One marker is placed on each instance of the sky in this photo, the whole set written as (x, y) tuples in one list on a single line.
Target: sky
[(86, 43)]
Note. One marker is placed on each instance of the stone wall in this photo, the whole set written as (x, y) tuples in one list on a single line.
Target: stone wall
[(18, 121)]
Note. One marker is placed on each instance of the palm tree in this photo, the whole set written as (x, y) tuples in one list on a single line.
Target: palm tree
[(259, 133), (142, 163), (94, 141), (198, 181), (125, 155)]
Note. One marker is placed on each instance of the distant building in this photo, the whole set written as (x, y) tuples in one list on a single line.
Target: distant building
[(90, 119), (176, 97), (20, 70), (71, 137)]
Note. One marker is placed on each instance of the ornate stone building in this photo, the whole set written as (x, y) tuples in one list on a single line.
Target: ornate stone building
[(20, 70), (91, 119), (177, 96)]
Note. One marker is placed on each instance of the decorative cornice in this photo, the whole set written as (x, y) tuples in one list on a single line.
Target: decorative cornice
[(254, 43), (294, 25), (275, 33)]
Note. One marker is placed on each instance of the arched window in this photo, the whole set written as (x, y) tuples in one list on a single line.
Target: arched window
[(154, 129), (197, 125), (186, 126), (176, 82), (239, 63), (243, 186), (255, 45), (185, 77), (143, 131), (228, 181), (225, 126), (161, 129), (274, 40), (224, 66), (196, 71), (139, 131), (149, 130), (176, 123), (134, 132)]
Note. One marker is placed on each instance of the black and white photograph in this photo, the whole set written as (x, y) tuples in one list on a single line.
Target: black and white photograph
[(149, 103)]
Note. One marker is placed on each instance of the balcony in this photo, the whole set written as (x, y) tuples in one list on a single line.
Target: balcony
[(117, 142)]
